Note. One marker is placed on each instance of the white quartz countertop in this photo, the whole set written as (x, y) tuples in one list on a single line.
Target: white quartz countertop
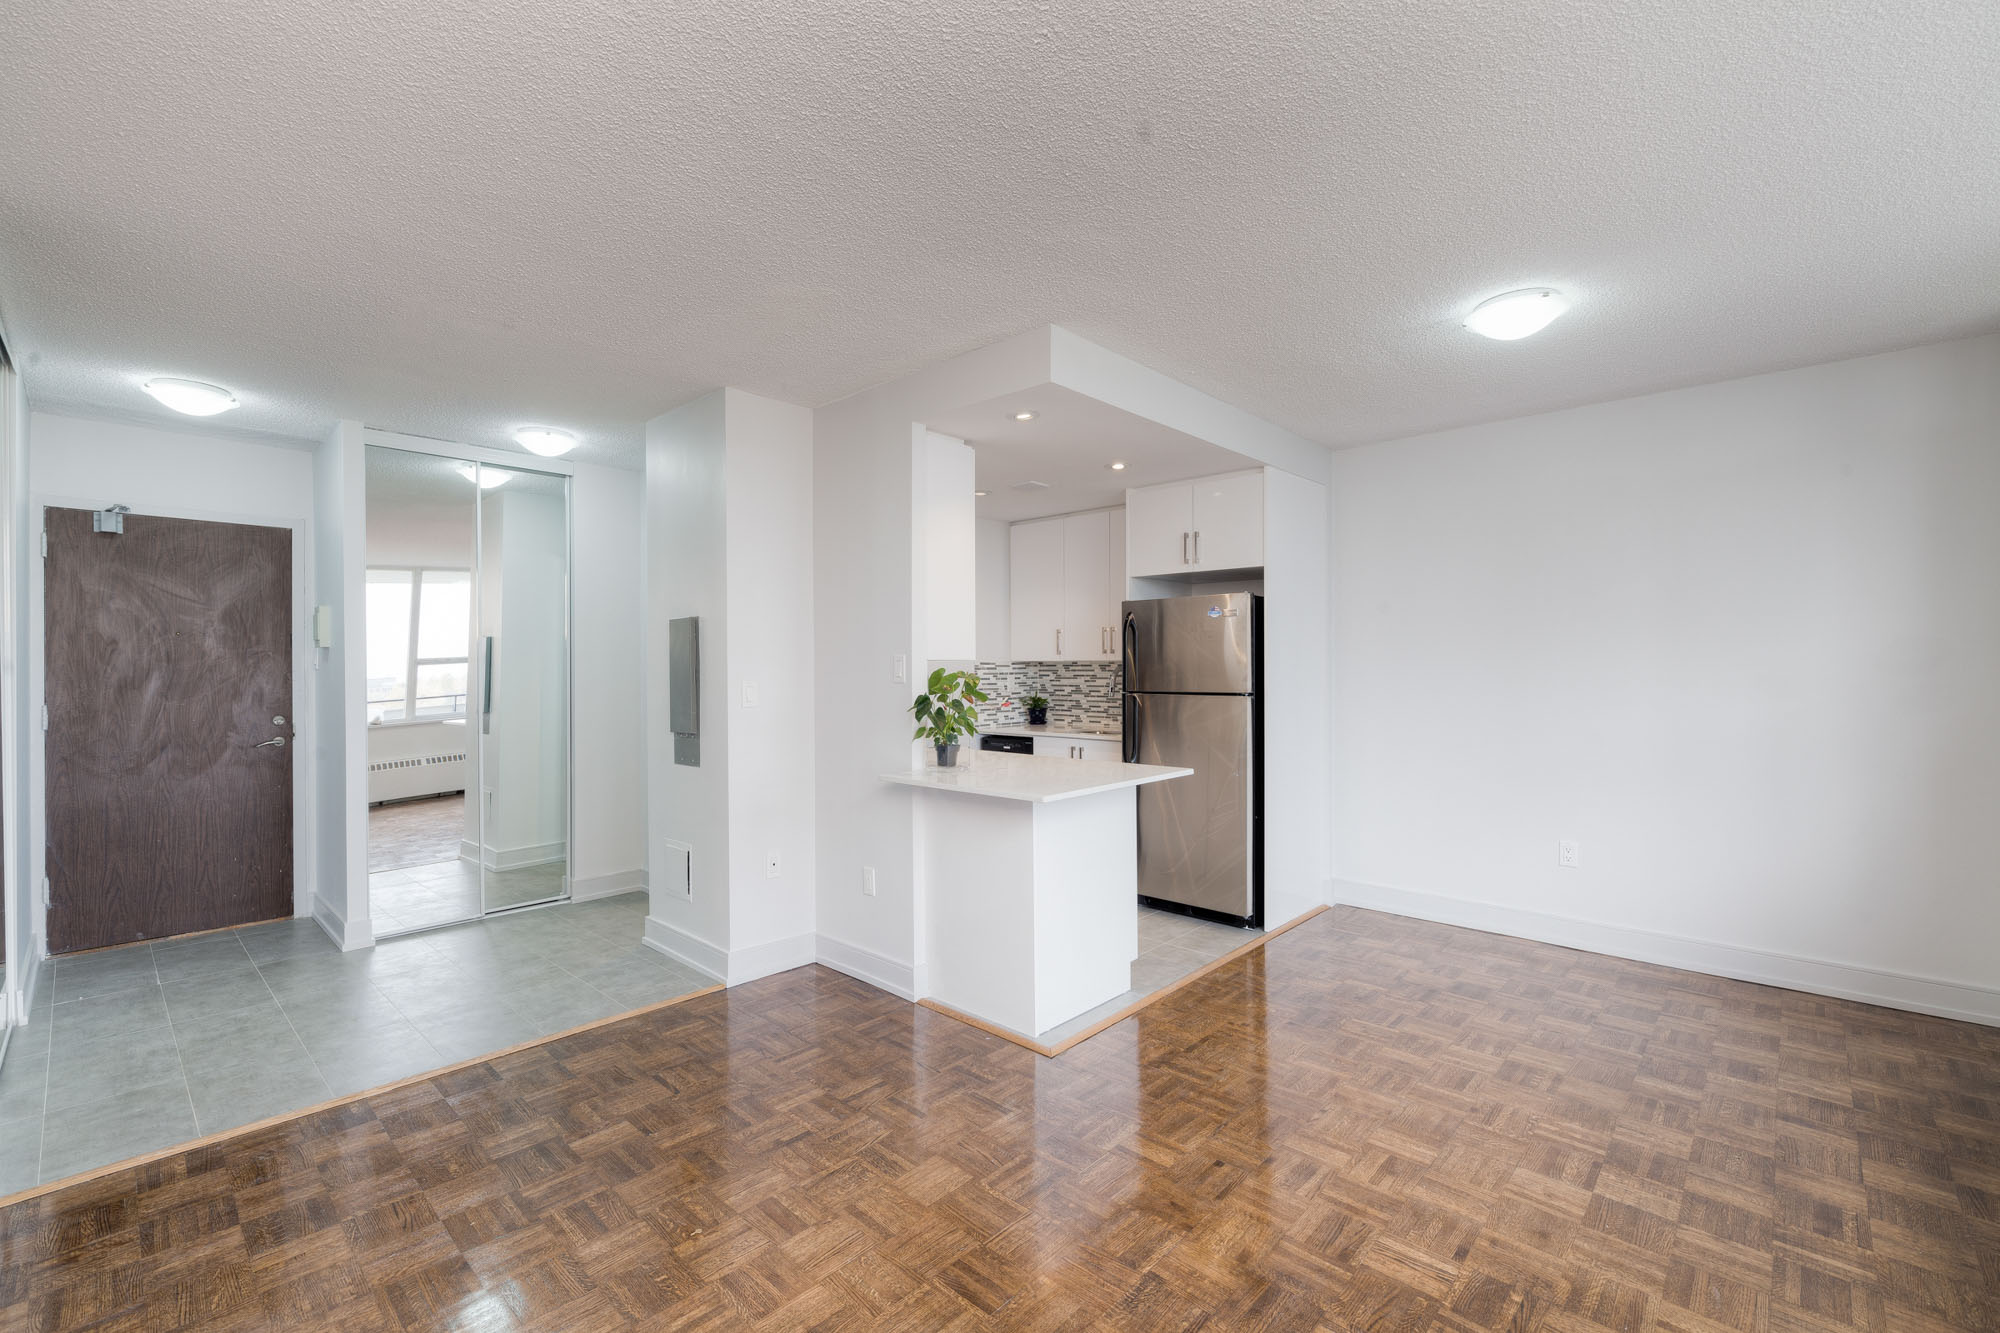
[(1026, 777), (1061, 731)]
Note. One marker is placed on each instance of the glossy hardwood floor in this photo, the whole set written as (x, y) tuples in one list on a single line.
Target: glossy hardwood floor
[(1372, 1123)]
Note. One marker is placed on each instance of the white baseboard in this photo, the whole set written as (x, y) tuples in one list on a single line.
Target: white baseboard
[(763, 960), (684, 947), (583, 889), (348, 935), (1844, 981), (867, 965), (730, 967)]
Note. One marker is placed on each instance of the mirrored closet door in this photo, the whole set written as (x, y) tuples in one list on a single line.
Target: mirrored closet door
[(467, 624), (523, 673)]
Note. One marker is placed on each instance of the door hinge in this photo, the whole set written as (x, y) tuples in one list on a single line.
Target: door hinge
[(45, 544), (48, 894), (45, 717)]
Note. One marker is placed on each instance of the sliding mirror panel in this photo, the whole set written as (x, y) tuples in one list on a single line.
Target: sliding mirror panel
[(521, 667), (423, 830)]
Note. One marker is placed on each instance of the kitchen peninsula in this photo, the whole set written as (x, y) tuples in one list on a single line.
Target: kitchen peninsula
[(1031, 915)]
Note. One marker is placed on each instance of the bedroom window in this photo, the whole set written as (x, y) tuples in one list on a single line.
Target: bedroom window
[(419, 641)]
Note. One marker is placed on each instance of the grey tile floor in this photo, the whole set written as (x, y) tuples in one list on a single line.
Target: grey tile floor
[(1170, 947), (134, 1049), (423, 896)]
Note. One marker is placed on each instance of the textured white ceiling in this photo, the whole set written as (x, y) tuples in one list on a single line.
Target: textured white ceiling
[(455, 217)]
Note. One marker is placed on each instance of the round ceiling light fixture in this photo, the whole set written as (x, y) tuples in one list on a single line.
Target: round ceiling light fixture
[(1116, 467), (1514, 315), (191, 396), (1024, 416), (487, 477), (545, 440)]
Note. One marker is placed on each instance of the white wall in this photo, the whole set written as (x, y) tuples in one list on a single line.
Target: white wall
[(729, 524), (995, 632), (1741, 641), (770, 644), (182, 473), (950, 559), (25, 924), (1297, 696), (686, 480), (340, 744)]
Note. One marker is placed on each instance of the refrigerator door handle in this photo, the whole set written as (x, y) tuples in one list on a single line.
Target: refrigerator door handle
[(1131, 730)]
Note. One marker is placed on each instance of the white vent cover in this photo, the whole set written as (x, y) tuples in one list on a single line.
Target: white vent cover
[(384, 765), (1029, 486)]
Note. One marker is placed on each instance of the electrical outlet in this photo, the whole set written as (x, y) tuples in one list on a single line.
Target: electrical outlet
[(868, 881), (1569, 854), (773, 864)]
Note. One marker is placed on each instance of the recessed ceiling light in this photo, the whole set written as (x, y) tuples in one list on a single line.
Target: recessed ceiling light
[(487, 478), (192, 396), (545, 440), (979, 493), (1116, 467), (1024, 416), (1514, 315)]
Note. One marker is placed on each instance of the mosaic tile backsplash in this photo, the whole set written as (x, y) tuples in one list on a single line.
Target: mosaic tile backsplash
[(1079, 692)]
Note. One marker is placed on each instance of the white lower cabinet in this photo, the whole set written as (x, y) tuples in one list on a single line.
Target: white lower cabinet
[(1068, 747)]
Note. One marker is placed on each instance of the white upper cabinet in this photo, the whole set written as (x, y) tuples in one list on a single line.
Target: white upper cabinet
[(1159, 530), (1229, 522), (1068, 586), (1093, 583), (1188, 527), (1035, 588)]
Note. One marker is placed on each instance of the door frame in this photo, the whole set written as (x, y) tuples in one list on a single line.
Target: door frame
[(356, 711), (306, 744)]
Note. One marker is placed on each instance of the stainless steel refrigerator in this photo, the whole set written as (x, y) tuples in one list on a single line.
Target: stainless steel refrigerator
[(1193, 671)]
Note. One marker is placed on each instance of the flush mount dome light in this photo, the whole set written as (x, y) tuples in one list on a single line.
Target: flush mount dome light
[(1024, 416), (1116, 467), (487, 478), (191, 396), (1514, 315), (545, 440)]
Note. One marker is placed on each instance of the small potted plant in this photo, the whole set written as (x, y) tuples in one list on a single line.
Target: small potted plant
[(947, 710), (1038, 709)]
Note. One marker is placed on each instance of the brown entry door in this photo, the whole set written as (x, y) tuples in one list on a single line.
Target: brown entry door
[(169, 669)]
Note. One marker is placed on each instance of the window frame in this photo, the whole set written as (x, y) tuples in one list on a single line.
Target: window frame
[(412, 661)]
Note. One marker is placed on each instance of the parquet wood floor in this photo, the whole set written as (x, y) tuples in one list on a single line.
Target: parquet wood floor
[(1372, 1123)]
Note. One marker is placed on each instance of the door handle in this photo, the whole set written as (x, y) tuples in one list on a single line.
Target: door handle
[(278, 741)]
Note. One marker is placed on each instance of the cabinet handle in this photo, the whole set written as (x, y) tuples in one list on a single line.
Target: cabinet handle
[(1197, 548), (1184, 550), (1058, 643)]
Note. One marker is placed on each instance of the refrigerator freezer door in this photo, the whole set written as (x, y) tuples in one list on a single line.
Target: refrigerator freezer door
[(1189, 645), (1195, 832)]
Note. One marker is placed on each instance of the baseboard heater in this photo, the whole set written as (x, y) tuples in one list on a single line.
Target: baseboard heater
[(413, 776)]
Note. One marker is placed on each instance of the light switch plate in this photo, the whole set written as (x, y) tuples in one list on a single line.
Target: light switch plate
[(750, 696)]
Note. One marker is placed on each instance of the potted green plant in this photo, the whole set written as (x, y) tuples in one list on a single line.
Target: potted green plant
[(946, 710), (1038, 709)]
